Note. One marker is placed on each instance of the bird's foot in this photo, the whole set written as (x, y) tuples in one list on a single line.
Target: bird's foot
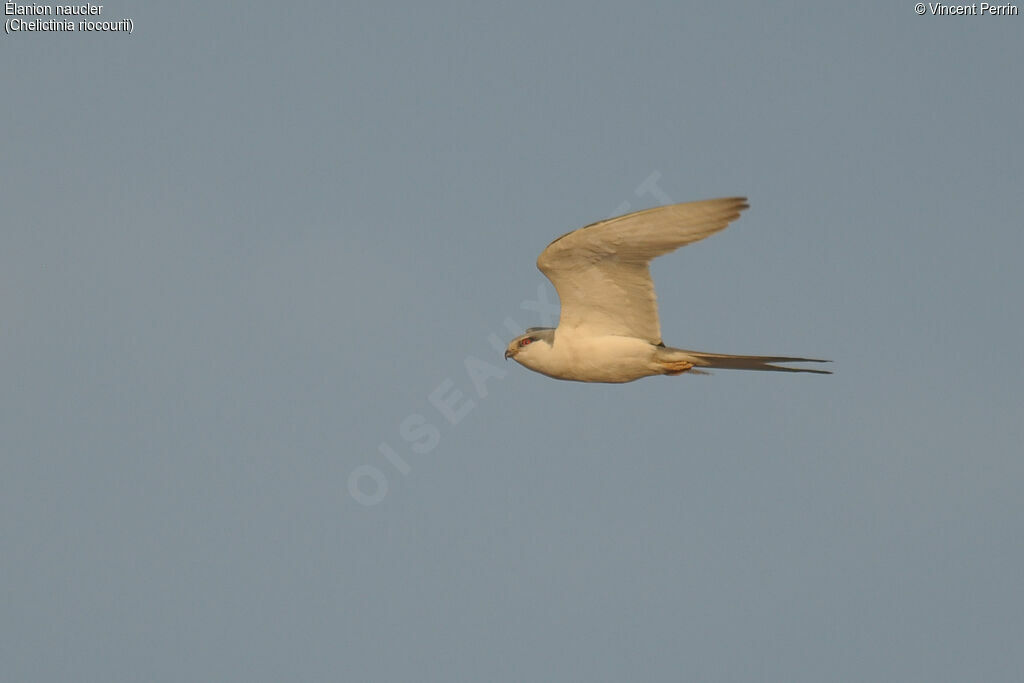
[(676, 367)]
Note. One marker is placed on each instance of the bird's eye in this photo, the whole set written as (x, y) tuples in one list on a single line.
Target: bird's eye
[(525, 341)]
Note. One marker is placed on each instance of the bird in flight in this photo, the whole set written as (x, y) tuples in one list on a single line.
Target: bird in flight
[(608, 329)]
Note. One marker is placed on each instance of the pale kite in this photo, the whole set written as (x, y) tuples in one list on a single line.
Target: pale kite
[(608, 328)]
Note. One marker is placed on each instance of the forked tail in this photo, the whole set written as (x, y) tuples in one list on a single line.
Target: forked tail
[(729, 362)]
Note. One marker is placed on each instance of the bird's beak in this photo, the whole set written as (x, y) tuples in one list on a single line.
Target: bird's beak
[(508, 354)]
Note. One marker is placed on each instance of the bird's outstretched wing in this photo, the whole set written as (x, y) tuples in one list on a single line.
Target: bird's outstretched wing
[(601, 271)]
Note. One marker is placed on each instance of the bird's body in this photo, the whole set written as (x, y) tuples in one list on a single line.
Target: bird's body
[(608, 330), (585, 358)]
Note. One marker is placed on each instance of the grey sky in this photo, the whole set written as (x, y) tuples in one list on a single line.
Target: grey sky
[(242, 247)]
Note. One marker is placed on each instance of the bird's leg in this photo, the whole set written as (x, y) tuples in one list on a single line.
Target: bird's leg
[(677, 367)]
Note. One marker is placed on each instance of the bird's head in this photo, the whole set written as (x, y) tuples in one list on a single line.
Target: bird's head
[(526, 346)]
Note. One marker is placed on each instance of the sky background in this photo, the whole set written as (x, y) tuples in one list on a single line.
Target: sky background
[(244, 246)]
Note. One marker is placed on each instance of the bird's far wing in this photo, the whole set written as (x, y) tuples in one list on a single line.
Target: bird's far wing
[(601, 271)]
